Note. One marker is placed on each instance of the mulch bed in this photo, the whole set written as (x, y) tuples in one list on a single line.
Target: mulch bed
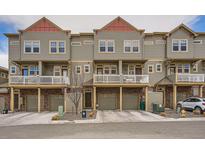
[(72, 116)]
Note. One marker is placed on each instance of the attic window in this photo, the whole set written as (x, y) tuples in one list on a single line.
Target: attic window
[(88, 42), (148, 42), (197, 42), (159, 42)]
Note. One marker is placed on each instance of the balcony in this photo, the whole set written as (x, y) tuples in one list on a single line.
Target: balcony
[(190, 78), (120, 79), (38, 80)]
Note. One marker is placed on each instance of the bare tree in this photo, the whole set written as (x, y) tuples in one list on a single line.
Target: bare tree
[(76, 89)]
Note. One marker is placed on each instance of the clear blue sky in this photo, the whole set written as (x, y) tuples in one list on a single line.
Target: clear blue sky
[(9, 27)]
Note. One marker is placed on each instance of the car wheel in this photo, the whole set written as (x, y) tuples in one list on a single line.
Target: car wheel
[(198, 109)]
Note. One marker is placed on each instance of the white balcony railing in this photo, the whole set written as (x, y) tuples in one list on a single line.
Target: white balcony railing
[(189, 77), (110, 78), (44, 80)]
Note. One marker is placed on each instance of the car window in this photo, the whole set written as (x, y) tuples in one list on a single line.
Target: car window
[(187, 100), (195, 100)]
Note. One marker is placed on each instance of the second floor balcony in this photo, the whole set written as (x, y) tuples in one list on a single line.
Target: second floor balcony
[(39, 80), (120, 79), (187, 78)]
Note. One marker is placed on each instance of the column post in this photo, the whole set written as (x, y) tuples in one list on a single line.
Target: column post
[(39, 100), (120, 69), (146, 98), (120, 98), (65, 100), (40, 67), (94, 98), (12, 100), (201, 91), (174, 97)]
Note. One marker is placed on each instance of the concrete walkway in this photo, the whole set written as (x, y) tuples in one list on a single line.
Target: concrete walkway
[(27, 118)]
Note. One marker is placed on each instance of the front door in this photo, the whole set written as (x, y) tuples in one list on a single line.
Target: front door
[(25, 72), (99, 70), (138, 71), (88, 99), (65, 72)]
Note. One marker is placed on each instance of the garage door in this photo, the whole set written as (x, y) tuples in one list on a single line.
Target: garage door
[(130, 101), (107, 101), (2, 103), (55, 101), (31, 103)]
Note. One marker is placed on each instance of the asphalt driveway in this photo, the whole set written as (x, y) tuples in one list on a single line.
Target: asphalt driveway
[(26, 118)]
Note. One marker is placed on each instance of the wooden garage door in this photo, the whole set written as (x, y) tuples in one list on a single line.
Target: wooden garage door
[(55, 101), (31, 103), (130, 101), (107, 101)]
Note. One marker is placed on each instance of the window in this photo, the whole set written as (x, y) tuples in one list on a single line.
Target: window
[(76, 44), (183, 68), (34, 70), (150, 68), (195, 68), (179, 45), (13, 69), (131, 69), (148, 42), (159, 42), (113, 69), (57, 71), (131, 46), (78, 69), (86, 68), (57, 47), (197, 42), (88, 42), (110, 45), (158, 67), (106, 69), (107, 46), (31, 46)]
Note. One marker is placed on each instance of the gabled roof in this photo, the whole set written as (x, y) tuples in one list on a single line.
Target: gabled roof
[(11, 34), (182, 26), (3, 68), (43, 25), (119, 24)]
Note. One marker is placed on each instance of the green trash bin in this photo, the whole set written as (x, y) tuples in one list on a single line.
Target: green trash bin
[(142, 105), (60, 111), (157, 108)]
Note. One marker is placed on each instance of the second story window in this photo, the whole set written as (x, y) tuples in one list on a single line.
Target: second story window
[(131, 46), (13, 69), (87, 68), (57, 47), (78, 69), (106, 46), (31, 46), (179, 45), (183, 68), (34, 70)]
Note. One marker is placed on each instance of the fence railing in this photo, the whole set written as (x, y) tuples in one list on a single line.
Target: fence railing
[(32, 80), (190, 77), (112, 78)]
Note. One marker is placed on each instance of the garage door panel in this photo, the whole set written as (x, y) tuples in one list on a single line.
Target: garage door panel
[(31, 103), (107, 101), (130, 101), (55, 101)]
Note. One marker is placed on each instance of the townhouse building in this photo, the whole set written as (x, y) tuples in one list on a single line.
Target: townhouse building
[(121, 65), (4, 91)]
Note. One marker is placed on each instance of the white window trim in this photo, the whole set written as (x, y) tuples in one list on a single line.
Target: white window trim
[(128, 69), (200, 42), (180, 45), (32, 46), (197, 66), (57, 51), (74, 45), (88, 68), (11, 69), (131, 46), (183, 68), (106, 46), (160, 67), (152, 69), (56, 66), (77, 69), (160, 42)]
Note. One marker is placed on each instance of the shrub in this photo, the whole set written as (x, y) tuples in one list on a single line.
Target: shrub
[(56, 117)]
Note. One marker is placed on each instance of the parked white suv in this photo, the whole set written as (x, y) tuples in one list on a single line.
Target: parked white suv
[(192, 103)]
